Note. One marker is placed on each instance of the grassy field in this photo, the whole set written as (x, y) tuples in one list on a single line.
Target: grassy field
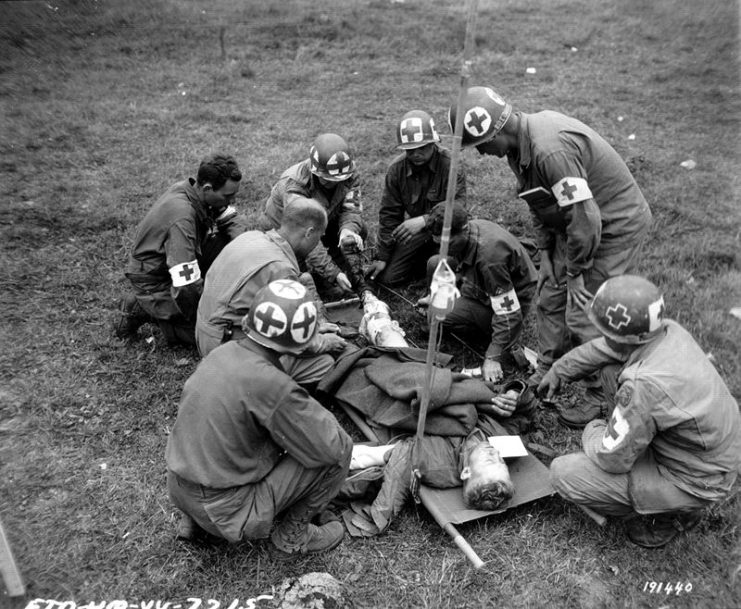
[(104, 104)]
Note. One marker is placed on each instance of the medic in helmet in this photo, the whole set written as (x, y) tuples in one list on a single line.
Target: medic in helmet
[(329, 175), (672, 443), (589, 215), (416, 181)]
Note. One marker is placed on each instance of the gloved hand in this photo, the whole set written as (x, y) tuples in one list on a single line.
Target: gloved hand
[(346, 232), (376, 268), (407, 229)]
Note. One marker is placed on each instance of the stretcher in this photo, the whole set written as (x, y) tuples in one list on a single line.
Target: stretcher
[(529, 476)]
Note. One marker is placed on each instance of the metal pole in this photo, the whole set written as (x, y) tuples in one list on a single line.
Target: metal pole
[(455, 152), (449, 198)]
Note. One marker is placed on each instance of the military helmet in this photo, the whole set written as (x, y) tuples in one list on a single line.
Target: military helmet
[(283, 316), (484, 115), (416, 129), (627, 309), (330, 158)]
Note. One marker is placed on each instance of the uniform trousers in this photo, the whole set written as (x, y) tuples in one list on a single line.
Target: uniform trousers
[(290, 490)]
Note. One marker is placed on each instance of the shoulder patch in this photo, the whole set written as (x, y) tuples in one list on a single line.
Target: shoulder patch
[(352, 201), (505, 303), (185, 273), (624, 395), (571, 190)]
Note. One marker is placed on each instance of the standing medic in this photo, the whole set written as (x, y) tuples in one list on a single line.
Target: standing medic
[(589, 214)]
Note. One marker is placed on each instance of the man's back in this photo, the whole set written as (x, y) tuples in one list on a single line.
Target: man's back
[(245, 265)]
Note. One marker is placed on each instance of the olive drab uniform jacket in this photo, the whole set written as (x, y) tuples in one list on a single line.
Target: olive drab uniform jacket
[(343, 205), (166, 257), (496, 270), (410, 192), (240, 413), (245, 265), (672, 407), (588, 194)]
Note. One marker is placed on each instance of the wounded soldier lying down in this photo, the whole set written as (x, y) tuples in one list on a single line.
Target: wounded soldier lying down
[(441, 462), (486, 481)]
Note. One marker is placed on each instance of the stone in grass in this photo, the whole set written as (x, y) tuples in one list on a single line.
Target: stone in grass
[(312, 591)]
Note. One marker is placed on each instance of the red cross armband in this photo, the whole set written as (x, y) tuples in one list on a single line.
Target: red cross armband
[(571, 190), (505, 303), (185, 273)]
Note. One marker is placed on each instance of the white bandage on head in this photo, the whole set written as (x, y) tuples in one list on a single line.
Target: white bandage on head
[(571, 190), (185, 273)]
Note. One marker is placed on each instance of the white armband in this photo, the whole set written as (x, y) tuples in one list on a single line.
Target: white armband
[(185, 273), (571, 190), (505, 303)]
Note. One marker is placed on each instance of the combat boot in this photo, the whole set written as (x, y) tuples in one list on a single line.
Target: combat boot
[(658, 530), (131, 318), (589, 408), (293, 539)]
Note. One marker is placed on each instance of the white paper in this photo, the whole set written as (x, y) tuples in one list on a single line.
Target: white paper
[(508, 446)]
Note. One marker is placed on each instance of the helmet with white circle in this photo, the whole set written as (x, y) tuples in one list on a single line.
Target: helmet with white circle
[(283, 316), (484, 115), (330, 158), (627, 309), (416, 129)]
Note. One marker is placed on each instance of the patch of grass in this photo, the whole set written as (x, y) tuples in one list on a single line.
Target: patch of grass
[(104, 105)]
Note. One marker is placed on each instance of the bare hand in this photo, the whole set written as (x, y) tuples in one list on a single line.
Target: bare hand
[(577, 293), (326, 327), (546, 270), (492, 371), (376, 267), (343, 282), (504, 404), (407, 229), (332, 343), (549, 386)]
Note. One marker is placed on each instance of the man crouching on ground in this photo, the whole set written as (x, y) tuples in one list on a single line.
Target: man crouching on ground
[(672, 445), (250, 445)]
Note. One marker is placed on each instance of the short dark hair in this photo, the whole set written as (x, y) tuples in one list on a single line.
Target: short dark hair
[(216, 169), (437, 215)]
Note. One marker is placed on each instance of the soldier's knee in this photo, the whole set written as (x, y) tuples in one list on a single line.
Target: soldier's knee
[(565, 471)]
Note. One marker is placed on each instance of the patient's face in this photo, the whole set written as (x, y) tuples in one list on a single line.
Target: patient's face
[(486, 481)]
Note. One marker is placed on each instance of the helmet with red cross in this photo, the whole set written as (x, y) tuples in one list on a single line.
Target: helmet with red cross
[(627, 309), (283, 317), (416, 129), (484, 115), (330, 158)]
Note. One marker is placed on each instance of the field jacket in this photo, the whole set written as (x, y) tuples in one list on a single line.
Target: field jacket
[(410, 192), (343, 205), (670, 401), (592, 198), (168, 245)]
